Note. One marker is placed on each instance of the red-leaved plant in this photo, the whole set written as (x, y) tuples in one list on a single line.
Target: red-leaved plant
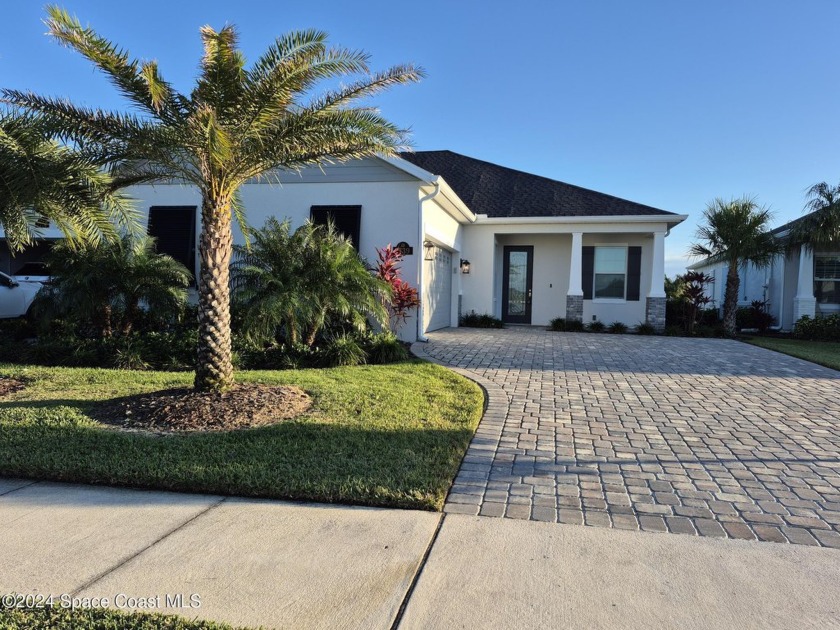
[(404, 297)]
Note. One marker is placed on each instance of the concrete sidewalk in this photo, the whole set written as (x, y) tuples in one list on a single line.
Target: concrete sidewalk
[(281, 564)]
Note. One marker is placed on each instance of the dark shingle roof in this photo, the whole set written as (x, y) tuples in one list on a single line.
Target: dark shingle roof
[(498, 191)]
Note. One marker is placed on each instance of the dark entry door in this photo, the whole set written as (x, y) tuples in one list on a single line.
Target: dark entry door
[(518, 275)]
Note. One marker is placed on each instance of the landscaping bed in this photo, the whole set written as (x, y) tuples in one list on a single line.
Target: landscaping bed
[(385, 435), (825, 353)]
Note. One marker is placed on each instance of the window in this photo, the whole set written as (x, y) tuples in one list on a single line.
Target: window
[(347, 220), (173, 228), (827, 278), (610, 272)]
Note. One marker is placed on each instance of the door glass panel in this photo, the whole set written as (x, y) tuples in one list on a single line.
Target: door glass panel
[(517, 283)]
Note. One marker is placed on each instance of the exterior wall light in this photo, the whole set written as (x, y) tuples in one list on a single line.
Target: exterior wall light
[(465, 266), (428, 250)]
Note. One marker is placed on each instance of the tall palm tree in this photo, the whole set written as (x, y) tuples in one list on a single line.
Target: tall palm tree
[(238, 124), (735, 232), (43, 181), (820, 228)]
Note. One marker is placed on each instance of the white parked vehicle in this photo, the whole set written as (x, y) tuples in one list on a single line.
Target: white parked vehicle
[(18, 292)]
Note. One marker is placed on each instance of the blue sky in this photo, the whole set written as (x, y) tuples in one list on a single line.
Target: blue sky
[(666, 103)]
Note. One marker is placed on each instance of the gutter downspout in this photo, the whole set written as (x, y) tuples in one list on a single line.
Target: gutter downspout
[(421, 257)]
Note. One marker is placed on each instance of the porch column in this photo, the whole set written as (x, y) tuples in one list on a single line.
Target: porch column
[(805, 303), (655, 306), (574, 297)]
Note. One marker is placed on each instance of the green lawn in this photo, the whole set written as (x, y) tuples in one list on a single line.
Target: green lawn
[(825, 353), (57, 618), (389, 435)]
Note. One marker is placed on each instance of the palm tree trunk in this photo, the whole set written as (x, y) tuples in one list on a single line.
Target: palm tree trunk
[(214, 370), (730, 299)]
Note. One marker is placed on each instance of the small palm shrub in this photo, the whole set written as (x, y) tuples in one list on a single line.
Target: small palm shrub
[(290, 285), (617, 328), (341, 351), (643, 328), (595, 326), (385, 348), (476, 320), (558, 324)]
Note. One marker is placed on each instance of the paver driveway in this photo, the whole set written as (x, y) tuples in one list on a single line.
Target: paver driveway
[(697, 436)]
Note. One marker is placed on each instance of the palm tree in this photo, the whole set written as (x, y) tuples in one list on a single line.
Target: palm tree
[(735, 232), (106, 284), (238, 124), (43, 181), (294, 282), (820, 228)]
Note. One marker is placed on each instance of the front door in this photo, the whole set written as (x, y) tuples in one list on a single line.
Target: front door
[(518, 275)]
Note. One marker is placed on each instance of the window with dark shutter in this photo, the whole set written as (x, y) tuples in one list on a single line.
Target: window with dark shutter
[(634, 273), (173, 228), (347, 220)]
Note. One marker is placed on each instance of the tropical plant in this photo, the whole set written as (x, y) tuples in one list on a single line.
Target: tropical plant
[(557, 324), (404, 297), (385, 347), (47, 183), (108, 285), (820, 228), (617, 328), (644, 328), (238, 124), (735, 232), (694, 297), (290, 283), (343, 350), (596, 326)]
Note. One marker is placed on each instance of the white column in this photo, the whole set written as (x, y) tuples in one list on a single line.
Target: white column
[(576, 265), (805, 284), (804, 303), (657, 270)]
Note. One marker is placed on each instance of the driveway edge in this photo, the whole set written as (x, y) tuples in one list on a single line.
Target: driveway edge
[(468, 489)]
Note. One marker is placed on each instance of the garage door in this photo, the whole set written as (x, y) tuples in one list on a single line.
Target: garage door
[(437, 290)]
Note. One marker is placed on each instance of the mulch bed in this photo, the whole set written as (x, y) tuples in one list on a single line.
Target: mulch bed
[(186, 410), (10, 385)]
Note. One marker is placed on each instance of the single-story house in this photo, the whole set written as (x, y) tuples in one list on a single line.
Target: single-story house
[(796, 283), (477, 236)]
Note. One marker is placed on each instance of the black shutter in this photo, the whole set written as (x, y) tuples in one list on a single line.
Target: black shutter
[(588, 269), (173, 228), (634, 273), (346, 219)]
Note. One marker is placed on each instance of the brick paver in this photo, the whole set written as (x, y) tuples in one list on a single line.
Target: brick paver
[(694, 436)]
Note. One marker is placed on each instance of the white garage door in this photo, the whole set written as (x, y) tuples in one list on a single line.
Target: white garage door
[(437, 290)]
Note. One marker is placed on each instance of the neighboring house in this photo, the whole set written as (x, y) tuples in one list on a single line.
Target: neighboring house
[(800, 282), (482, 237)]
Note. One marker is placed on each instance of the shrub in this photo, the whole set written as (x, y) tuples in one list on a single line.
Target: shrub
[(754, 316), (386, 348), (574, 325), (290, 284), (825, 328), (643, 328), (342, 351), (475, 320), (674, 331), (716, 331), (558, 324), (617, 328), (595, 326), (404, 297)]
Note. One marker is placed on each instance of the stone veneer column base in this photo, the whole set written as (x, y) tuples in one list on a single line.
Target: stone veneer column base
[(574, 308), (655, 313), (804, 306)]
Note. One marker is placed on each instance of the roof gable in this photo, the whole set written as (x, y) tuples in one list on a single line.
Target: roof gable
[(498, 191)]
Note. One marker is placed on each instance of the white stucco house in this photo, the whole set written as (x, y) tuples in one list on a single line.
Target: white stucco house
[(482, 237), (801, 282)]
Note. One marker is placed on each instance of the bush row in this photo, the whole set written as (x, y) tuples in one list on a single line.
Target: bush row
[(825, 328)]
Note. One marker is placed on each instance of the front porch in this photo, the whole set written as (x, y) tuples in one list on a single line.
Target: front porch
[(532, 277)]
